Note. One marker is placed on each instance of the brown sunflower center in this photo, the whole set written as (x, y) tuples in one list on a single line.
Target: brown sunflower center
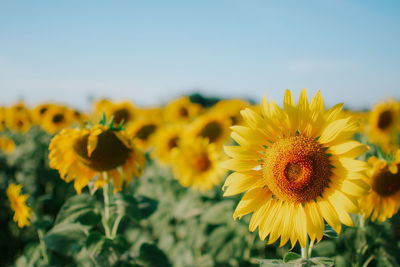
[(183, 112), (43, 110), (58, 118), (212, 131), (145, 131), (385, 120), (296, 169), (109, 153), (173, 142), (121, 115), (385, 183), (201, 162)]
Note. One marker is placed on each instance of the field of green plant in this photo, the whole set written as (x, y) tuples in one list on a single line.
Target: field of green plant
[(124, 185)]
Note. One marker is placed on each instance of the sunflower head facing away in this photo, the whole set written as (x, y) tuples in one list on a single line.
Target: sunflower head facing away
[(196, 163), (382, 202), (99, 154), (18, 205), (384, 122), (297, 168)]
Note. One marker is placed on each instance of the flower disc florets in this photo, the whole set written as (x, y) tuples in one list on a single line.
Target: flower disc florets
[(296, 169)]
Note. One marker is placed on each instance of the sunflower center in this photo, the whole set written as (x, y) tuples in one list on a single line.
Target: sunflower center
[(183, 112), (296, 169), (385, 120), (43, 110), (212, 131), (58, 118), (145, 131), (173, 142), (386, 183), (121, 115), (201, 162), (109, 153)]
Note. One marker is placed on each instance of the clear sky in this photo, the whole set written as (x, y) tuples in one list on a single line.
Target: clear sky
[(151, 51)]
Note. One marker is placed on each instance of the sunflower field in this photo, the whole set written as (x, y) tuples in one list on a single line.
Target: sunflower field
[(200, 182)]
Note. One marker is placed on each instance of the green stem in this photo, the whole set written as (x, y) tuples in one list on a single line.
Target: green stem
[(106, 218), (305, 252), (43, 246), (115, 226), (361, 221)]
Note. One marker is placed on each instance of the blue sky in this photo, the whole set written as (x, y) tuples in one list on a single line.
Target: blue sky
[(151, 51)]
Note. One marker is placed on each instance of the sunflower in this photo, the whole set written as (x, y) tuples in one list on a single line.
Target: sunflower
[(18, 118), (196, 163), (18, 205), (122, 112), (297, 168), (39, 111), (165, 140), (7, 144), (57, 118), (211, 125), (181, 110), (101, 153), (2, 118), (383, 124), (382, 202), (142, 131), (231, 108)]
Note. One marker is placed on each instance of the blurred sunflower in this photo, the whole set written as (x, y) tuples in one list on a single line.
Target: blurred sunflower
[(57, 118), (7, 144), (181, 110), (142, 131), (165, 140), (384, 124), (196, 163), (122, 112), (39, 111), (231, 108), (101, 153), (18, 205), (212, 126), (382, 202), (2, 118), (18, 118), (297, 168)]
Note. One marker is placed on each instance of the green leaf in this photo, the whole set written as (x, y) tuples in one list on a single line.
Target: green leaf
[(66, 239), (329, 232), (291, 256), (273, 263), (127, 205), (325, 248), (147, 206), (152, 256), (215, 214), (322, 261), (79, 208)]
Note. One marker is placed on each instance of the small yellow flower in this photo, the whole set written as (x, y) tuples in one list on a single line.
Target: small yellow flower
[(99, 154), (18, 205), (7, 145), (384, 122), (166, 140), (142, 131), (382, 202), (18, 118), (212, 126), (297, 168), (196, 163), (122, 112), (181, 110)]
